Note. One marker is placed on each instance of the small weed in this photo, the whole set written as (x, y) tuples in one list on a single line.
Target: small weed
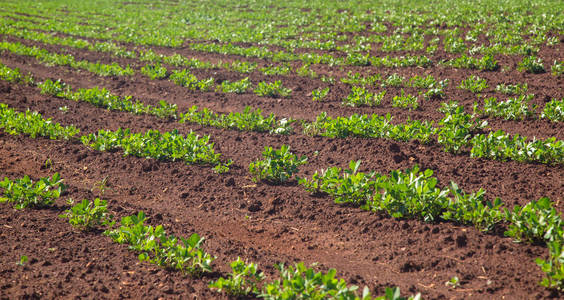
[(23, 261)]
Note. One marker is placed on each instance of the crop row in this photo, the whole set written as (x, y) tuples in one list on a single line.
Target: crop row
[(240, 66), (458, 130), (180, 77), (105, 99), (248, 120), (24, 193), (49, 58), (158, 71), (394, 80), (487, 63), (186, 255), (73, 42), (516, 108), (307, 58), (483, 35), (184, 77), (374, 126), (173, 146), (155, 58), (413, 194), (163, 146), (189, 148), (352, 59), (33, 124), (95, 96), (361, 97), (142, 54), (513, 108)]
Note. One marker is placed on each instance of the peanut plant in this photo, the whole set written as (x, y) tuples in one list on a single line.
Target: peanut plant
[(554, 111), (405, 101), (301, 282), (237, 87), (155, 246), (319, 94), (374, 126), (278, 166), (512, 109), (104, 98), (474, 84), (33, 124), (531, 64), (244, 280), (23, 192), (154, 71), (359, 96), (162, 146), (87, 215), (248, 120), (512, 89), (274, 90)]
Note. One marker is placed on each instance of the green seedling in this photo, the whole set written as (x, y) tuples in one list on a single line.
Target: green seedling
[(512, 109), (48, 164), (274, 90), (373, 126), (237, 87), (23, 261), (554, 111), (248, 120), (155, 246), (359, 96), (500, 145), (535, 222), (23, 192), (101, 186), (512, 89), (33, 124), (171, 146), (88, 215), (278, 166), (243, 280), (531, 64), (454, 282), (474, 84), (405, 101), (154, 71), (319, 94)]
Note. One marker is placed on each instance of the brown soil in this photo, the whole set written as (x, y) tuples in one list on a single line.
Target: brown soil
[(260, 222)]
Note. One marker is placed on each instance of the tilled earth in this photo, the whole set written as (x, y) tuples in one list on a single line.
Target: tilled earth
[(257, 221)]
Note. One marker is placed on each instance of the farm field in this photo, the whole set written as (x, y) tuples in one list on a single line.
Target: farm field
[(374, 148)]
